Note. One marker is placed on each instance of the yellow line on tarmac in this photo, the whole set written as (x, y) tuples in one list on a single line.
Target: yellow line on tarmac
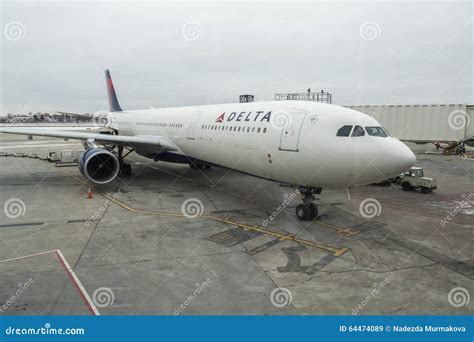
[(339, 230), (334, 250), (342, 231)]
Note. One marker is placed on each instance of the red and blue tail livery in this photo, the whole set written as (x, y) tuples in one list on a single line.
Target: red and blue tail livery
[(113, 102)]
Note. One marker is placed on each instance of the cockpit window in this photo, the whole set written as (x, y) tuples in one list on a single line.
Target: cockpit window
[(358, 132), (376, 131), (344, 131)]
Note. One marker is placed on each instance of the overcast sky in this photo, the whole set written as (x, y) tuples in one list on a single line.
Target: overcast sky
[(163, 54)]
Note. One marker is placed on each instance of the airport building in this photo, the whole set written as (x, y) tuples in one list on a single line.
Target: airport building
[(410, 122)]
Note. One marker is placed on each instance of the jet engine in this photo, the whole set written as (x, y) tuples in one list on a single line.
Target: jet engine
[(99, 165)]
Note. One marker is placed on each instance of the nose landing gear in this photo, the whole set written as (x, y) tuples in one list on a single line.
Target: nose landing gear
[(307, 210)]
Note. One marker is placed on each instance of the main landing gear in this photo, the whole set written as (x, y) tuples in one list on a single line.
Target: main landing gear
[(307, 210), (125, 168)]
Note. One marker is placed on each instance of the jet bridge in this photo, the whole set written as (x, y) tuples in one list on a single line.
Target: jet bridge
[(425, 123)]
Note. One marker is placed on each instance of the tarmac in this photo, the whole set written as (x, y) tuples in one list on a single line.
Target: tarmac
[(172, 240)]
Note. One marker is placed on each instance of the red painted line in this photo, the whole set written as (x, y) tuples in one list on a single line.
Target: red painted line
[(72, 277), (73, 280)]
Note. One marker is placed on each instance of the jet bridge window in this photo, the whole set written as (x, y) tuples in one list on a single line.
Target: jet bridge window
[(358, 132), (376, 131), (344, 131)]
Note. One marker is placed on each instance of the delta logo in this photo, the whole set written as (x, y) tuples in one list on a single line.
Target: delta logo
[(245, 116)]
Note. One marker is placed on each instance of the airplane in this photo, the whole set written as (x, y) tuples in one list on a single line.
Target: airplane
[(307, 144)]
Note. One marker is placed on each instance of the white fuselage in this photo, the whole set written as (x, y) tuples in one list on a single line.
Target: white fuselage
[(293, 142)]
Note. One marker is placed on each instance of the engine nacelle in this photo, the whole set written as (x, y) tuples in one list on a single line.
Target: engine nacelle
[(99, 165)]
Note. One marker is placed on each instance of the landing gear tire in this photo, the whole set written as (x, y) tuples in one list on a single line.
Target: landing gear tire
[(303, 212), (126, 169), (425, 190), (307, 210), (406, 187), (313, 211)]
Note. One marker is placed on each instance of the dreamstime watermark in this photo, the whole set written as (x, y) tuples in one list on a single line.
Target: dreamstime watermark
[(379, 109), (458, 297), (192, 30), (458, 119), (14, 30), (288, 199), (98, 37), (25, 109), (377, 288), (370, 30), (46, 330), (465, 203), (453, 36), (98, 214), (370, 208), (281, 119), (103, 297), (182, 131), (22, 287), (281, 297), (103, 118), (199, 288), (14, 208), (192, 208)]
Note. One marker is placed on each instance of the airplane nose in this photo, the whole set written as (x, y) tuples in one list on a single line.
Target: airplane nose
[(397, 159), (409, 158)]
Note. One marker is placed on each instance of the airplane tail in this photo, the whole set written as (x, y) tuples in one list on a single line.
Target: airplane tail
[(113, 102)]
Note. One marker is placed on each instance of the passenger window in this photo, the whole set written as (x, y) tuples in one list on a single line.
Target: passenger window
[(265, 130), (258, 130), (358, 132), (344, 131)]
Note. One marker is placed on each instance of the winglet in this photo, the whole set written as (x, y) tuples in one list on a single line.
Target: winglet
[(113, 102)]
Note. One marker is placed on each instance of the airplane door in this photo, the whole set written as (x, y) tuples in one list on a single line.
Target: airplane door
[(193, 124), (290, 134)]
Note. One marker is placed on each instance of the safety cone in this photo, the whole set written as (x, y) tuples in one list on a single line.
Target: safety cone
[(89, 194)]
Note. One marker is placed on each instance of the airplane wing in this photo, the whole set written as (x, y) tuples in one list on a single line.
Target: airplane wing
[(140, 142)]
